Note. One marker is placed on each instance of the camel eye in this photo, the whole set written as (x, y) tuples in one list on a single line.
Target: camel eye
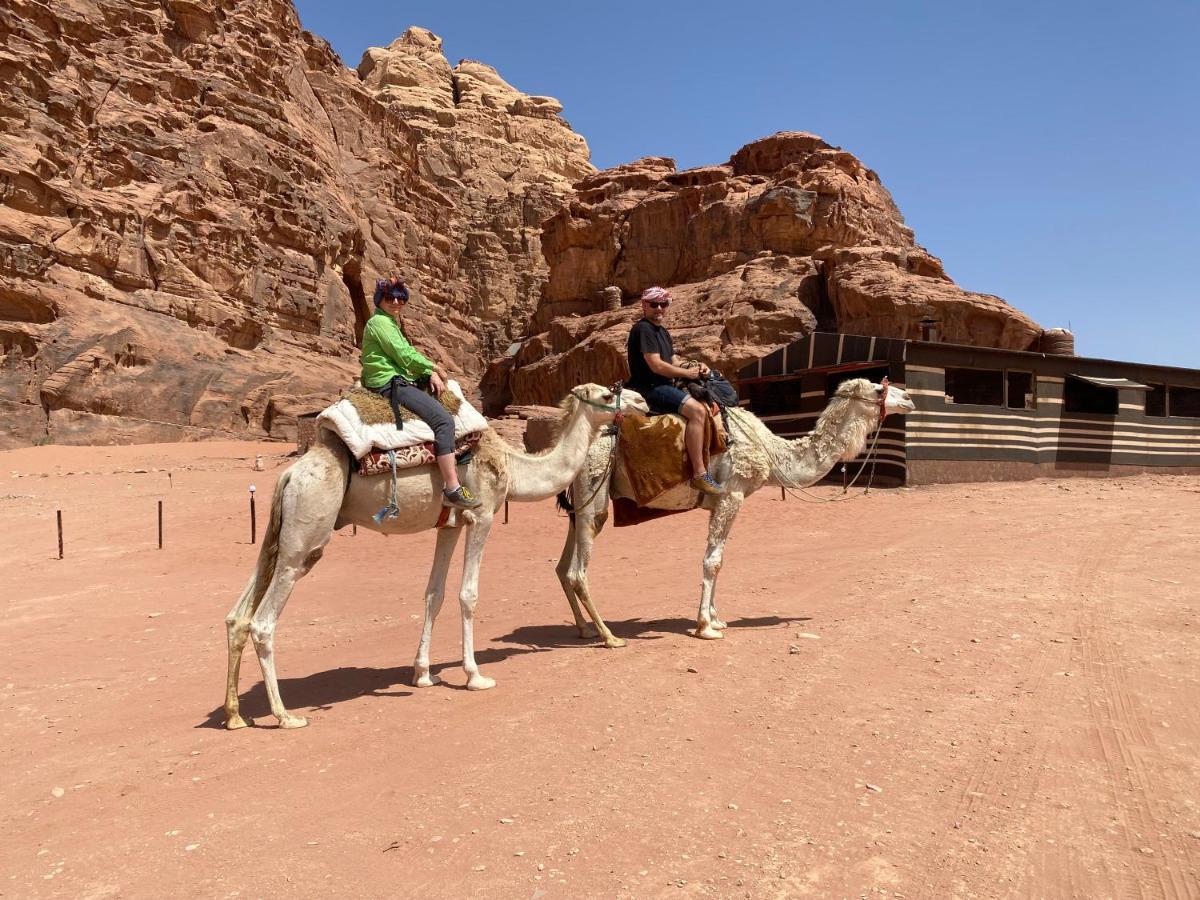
[(607, 398), (879, 390)]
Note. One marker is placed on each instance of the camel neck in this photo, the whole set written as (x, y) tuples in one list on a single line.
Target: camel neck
[(536, 477), (840, 433)]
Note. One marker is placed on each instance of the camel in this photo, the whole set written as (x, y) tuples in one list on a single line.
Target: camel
[(756, 457), (318, 495)]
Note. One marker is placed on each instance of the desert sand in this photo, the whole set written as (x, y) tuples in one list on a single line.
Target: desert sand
[(959, 691)]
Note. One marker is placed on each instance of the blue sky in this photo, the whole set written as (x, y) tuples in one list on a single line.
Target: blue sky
[(1047, 152)]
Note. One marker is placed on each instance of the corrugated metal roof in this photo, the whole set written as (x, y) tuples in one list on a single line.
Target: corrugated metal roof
[(1119, 383)]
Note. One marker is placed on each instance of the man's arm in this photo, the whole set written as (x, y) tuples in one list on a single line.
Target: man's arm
[(668, 370)]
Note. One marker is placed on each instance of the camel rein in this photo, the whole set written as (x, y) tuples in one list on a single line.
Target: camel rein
[(612, 455), (803, 494)]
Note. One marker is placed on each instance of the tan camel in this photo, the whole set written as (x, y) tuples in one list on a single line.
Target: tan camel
[(756, 457), (318, 495)]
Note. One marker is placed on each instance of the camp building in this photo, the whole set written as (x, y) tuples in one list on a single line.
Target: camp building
[(985, 415)]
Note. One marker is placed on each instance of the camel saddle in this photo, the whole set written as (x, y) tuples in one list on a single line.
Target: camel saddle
[(651, 474), (366, 425)]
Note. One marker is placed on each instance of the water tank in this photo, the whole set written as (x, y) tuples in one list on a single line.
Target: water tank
[(1058, 342)]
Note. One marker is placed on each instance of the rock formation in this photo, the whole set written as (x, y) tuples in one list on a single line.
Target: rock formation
[(195, 197), (791, 235)]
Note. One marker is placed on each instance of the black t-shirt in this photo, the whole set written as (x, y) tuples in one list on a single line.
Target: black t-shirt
[(646, 337)]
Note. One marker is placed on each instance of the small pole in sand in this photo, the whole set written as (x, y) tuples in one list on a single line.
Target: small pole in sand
[(845, 486), (353, 530), (253, 521), (782, 493), (58, 515), (159, 524), (505, 512), (170, 482)]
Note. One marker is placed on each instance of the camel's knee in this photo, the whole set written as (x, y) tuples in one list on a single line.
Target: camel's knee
[(578, 582), (468, 599), (263, 635), (712, 564)]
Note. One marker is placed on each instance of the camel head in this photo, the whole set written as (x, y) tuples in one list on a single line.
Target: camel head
[(601, 405), (894, 402)]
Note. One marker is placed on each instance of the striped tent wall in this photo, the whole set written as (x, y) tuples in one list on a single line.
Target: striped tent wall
[(941, 430), (787, 390)]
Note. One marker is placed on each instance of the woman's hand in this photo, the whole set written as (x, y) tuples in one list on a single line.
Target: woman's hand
[(704, 370), (436, 384)]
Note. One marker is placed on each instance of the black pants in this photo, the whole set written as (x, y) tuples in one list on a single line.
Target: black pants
[(436, 416)]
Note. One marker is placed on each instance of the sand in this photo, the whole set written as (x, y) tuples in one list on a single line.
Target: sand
[(971, 690)]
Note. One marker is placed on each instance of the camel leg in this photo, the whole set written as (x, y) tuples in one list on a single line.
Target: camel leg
[(588, 525), (262, 630), (477, 535), (581, 488), (435, 593), (237, 628), (708, 625)]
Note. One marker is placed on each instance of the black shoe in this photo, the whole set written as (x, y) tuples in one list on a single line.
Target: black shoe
[(460, 498)]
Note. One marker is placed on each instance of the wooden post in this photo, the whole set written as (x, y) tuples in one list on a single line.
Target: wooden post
[(170, 480), (353, 530), (505, 512), (58, 514), (845, 486), (253, 521), (159, 524), (782, 492)]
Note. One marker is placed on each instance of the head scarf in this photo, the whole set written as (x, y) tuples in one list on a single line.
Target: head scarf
[(655, 293)]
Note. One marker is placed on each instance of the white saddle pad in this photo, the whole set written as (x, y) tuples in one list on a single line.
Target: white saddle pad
[(343, 420)]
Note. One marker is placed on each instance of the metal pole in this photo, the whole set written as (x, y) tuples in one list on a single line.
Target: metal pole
[(845, 486), (159, 524), (58, 514), (253, 520), (782, 493), (505, 512)]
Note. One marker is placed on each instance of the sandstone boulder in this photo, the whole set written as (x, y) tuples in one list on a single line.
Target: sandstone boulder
[(790, 236)]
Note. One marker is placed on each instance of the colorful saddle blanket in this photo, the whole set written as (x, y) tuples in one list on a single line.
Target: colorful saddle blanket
[(378, 462)]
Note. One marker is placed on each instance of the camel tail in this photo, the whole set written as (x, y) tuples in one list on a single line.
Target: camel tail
[(268, 554), (563, 502)]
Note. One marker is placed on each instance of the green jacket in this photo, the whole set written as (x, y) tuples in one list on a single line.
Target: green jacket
[(387, 353)]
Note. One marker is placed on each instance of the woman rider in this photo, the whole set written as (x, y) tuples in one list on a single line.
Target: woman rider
[(391, 367)]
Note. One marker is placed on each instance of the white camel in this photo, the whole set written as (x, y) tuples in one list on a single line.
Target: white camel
[(756, 457), (318, 495)]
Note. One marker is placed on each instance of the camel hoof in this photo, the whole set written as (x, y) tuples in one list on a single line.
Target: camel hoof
[(587, 632), (719, 624), (612, 642), (234, 722), (426, 679), (292, 722), (709, 633), (479, 682)]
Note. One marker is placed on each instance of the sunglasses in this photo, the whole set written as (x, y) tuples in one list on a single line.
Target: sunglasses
[(397, 299), (658, 304)]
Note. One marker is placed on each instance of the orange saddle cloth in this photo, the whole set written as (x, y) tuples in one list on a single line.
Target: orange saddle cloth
[(652, 466)]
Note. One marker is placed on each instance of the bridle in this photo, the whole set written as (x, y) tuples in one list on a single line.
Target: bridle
[(615, 408), (883, 395)]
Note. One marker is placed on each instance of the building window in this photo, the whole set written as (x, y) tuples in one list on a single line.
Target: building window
[(1156, 400), (1084, 397), (1184, 402), (1019, 387), (983, 387)]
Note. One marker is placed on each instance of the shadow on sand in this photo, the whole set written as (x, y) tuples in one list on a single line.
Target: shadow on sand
[(321, 690)]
